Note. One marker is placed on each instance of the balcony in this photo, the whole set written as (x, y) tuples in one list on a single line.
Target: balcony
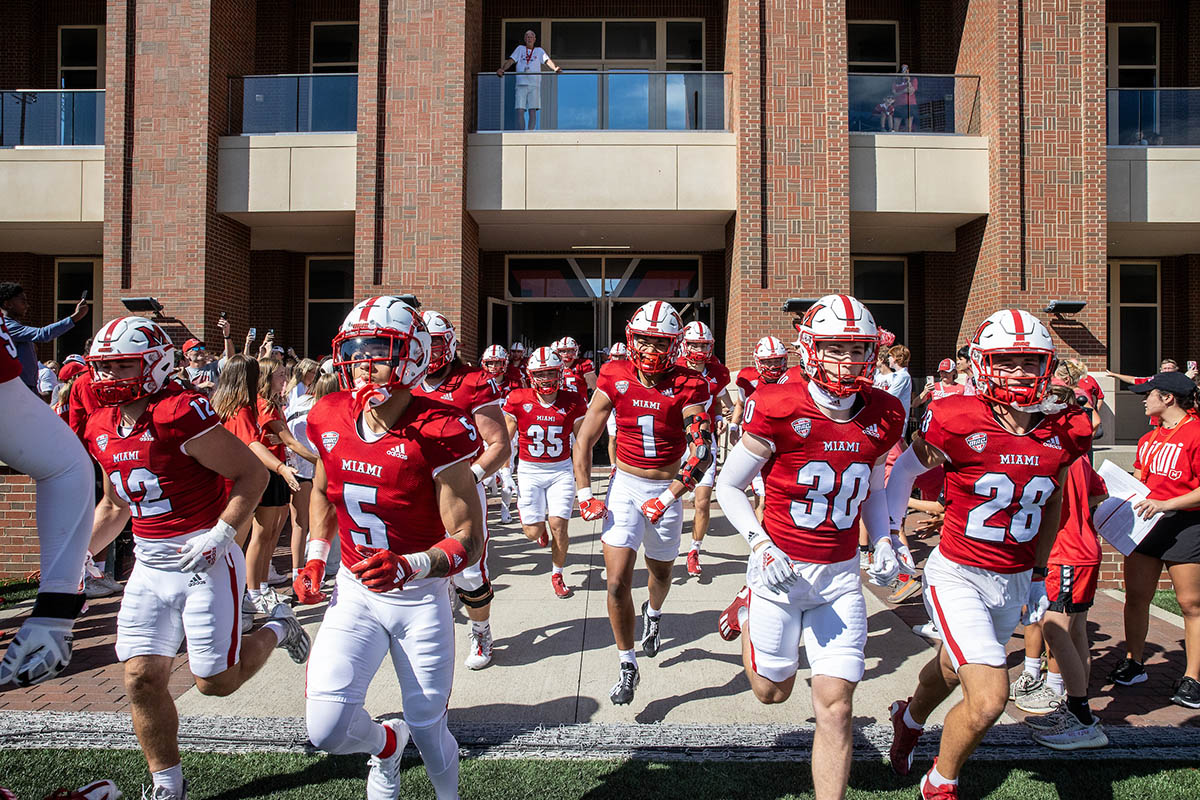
[(52, 118), (1153, 172), (913, 103), (263, 104)]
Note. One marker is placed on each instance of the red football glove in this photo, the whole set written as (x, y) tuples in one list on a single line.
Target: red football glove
[(593, 509), (307, 585), (383, 571), (653, 510)]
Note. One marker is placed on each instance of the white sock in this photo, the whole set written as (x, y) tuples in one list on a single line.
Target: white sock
[(558, 570), (264, 587), (652, 612), (254, 593), (276, 627), (628, 657), (170, 779), (1054, 682), (1033, 667), (295, 573), (909, 721), (938, 779), (695, 546), (482, 628)]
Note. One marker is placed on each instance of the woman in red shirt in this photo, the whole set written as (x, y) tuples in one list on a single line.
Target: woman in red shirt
[(1168, 462)]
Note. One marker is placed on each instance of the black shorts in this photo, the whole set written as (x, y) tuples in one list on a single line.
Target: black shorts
[(1176, 538), (277, 492)]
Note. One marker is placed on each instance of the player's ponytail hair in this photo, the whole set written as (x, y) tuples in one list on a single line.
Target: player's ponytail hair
[(237, 386)]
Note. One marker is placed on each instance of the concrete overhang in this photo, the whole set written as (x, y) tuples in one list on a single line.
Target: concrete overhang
[(1153, 203), (909, 191), (650, 190), (52, 200)]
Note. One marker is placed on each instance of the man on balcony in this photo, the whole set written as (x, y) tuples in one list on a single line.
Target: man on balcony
[(529, 59)]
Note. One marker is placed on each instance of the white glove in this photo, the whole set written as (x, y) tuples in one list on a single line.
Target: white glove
[(884, 564), (40, 650), (906, 559), (202, 552), (776, 569), (1037, 604)]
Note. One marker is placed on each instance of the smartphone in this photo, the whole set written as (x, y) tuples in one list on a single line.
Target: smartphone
[(253, 333), (929, 380), (271, 332), (85, 295), (1191, 366), (222, 315)]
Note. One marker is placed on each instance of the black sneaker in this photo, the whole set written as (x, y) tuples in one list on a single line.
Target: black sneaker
[(650, 626), (1187, 693), (621, 693), (1127, 673)]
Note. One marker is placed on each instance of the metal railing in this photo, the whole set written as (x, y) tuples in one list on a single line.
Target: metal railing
[(324, 103), (913, 103), (52, 118), (628, 100), (1154, 117)]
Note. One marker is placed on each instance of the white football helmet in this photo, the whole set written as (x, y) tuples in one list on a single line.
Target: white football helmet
[(770, 358), (545, 371), (838, 318), (386, 331), (495, 361), (516, 353), (657, 320), (698, 343), (444, 343), (127, 338), (1012, 332), (567, 349), (618, 352)]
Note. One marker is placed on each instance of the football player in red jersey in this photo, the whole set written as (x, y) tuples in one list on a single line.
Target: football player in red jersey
[(698, 356), (580, 369), (545, 418), (510, 378), (33, 440), (1006, 451), (663, 447), (167, 457), (477, 397), (770, 362), (395, 481), (820, 437), (618, 352)]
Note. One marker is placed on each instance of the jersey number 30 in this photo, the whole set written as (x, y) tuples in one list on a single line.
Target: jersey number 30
[(820, 478)]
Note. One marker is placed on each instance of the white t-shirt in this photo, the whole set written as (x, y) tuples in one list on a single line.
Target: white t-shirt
[(297, 422), (529, 61), (900, 386), (47, 380)]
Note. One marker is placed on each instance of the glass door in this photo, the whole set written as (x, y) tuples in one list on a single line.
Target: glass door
[(499, 322)]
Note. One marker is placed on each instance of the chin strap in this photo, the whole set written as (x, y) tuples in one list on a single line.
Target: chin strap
[(827, 400)]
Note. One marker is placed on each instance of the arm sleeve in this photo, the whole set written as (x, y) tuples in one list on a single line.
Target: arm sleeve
[(875, 514), (26, 333), (739, 469), (899, 486)]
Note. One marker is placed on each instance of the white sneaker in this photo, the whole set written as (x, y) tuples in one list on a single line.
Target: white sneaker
[(1041, 700), (864, 559), (479, 650), (249, 609), (102, 586), (928, 631), (1025, 684), (383, 781), (275, 578), (295, 640), (267, 601), (505, 514), (1071, 734)]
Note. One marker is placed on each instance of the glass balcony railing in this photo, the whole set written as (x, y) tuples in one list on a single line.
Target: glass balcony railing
[(1154, 117), (913, 103), (324, 103), (52, 118), (625, 100)]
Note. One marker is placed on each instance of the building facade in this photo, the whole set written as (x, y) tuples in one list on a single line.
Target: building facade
[(940, 159)]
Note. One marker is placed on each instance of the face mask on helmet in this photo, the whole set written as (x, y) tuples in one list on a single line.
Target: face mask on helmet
[(120, 379), (771, 369), (697, 351), (840, 366), (568, 355), (376, 358), (439, 351), (545, 381), (652, 354), (1018, 378)]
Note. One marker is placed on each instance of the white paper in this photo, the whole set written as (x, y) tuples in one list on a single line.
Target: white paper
[(1115, 519)]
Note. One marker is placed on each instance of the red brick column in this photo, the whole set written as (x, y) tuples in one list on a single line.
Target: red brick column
[(162, 234), (19, 556), (790, 236), (417, 65), (1041, 96)]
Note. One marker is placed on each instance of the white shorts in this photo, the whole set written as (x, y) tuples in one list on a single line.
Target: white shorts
[(162, 607), (528, 97), (975, 609), (361, 627), (825, 608), (546, 490), (476, 575), (760, 488), (626, 526), (611, 425)]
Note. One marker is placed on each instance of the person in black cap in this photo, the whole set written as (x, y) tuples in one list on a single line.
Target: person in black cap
[(1168, 462)]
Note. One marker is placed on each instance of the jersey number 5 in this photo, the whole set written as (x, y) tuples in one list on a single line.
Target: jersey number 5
[(369, 530)]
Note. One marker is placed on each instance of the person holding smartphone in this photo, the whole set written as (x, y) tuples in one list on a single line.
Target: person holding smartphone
[(14, 305)]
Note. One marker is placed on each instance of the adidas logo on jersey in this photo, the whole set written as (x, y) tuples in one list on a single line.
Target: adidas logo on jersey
[(447, 395), (102, 441), (329, 439), (398, 451), (977, 442), (1053, 442), (872, 431), (147, 437), (802, 427), (197, 580)]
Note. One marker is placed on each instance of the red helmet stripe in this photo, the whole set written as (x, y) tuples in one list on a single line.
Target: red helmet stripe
[(1020, 325), (851, 319), (366, 312)]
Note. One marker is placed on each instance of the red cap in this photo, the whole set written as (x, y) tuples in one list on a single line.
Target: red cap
[(190, 343), (70, 370), (945, 365)]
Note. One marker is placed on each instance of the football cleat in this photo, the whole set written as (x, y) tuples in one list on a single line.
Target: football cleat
[(560, 588), (479, 650), (163, 793), (383, 781), (693, 562), (622, 691), (650, 631), (727, 624), (97, 790), (904, 740), (295, 640), (947, 791), (544, 539), (505, 514)]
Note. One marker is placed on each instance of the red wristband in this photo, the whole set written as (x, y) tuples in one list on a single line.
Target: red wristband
[(455, 552)]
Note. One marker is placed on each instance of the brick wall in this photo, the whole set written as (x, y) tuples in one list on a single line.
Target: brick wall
[(19, 556), (283, 36), (29, 58), (35, 273)]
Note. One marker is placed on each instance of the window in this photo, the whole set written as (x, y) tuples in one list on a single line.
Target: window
[(1133, 116), (334, 47), (81, 57), (1133, 307), (610, 277), (676, 45), (330, 296), (882, 286), (873, 46), (73, 276)]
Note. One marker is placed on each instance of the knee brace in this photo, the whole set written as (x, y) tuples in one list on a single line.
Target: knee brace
[(476, 598)]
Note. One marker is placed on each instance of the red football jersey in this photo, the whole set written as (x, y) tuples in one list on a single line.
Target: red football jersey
[(383, 490), (717, 376), (544, 432), (169, 493), (996, 481), (820, 470), (10, 367), (464, 389), (513, 379), (81, 403), (1077, 543), (650, 420), (1170, 459), (581, 368), (748, 379)]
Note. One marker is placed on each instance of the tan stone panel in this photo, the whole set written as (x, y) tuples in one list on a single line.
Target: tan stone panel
[(40, 191), (601, 177)]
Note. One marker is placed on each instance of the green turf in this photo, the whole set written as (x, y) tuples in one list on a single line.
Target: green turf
[(33, 773), (1166, 600), (14, 591)]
